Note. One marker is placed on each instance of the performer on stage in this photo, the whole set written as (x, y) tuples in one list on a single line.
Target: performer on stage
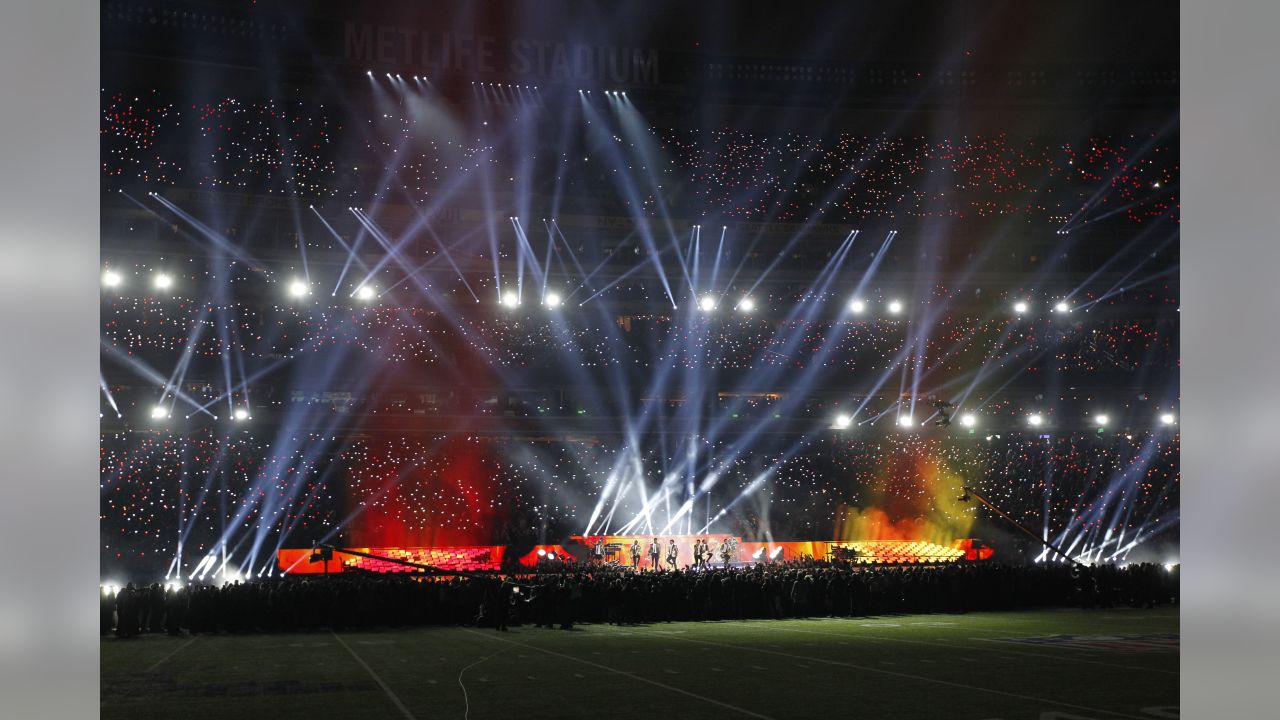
[(635, 554), (597, 552), (673, 554), (655, 555), (725, 554)]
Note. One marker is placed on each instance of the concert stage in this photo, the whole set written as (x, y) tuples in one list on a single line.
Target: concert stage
[(578, 548)]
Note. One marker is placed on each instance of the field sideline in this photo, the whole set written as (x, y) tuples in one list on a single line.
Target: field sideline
[(977, 666)]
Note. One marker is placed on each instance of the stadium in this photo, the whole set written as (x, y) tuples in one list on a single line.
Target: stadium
[(791, 360)]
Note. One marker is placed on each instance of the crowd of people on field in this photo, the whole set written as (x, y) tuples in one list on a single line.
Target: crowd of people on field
[(572, 594)]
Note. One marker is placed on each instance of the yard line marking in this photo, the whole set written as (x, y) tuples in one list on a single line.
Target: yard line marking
[(624, 673), (952, 646), (921, 678), (175, 652), (395, 700)]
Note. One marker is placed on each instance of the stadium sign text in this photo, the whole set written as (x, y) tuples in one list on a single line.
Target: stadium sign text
[(442, 52)]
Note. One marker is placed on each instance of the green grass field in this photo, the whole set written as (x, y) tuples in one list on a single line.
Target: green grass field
[(909, 666)]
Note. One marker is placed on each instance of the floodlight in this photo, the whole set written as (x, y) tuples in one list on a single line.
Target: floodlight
[(1168, 419), (1101, 420), (366, 293), (905, 420), (240, 414), (707, 304), (541, 552), (298, 289), (1169, 566), (1035, 420), (1062, 307), (111, 279), (159, 412), (843, 421), (746, 305), (857, 306), (895, 306), (1020, 307), (968, 420), (162, 281), (510, 299), (552, 300)]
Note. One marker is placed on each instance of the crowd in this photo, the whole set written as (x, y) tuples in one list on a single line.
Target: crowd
[(571, 595)]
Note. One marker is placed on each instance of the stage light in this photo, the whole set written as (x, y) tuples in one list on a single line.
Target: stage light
[(895, 307), (510, 299), (746, 305), (1062, 307), (1101, 420), (111, 279), (551, 556), (905, 421), (1169, 566), (968, 420), (843, 421), (171, 585), (707, 304), (298, 289), (857, 306), (159, 412), (552, 300), (542, 553), (776, 552), (366, 293), (1035, 420), (162, 281), (1168, 419), (240, 414), (1020, 307)]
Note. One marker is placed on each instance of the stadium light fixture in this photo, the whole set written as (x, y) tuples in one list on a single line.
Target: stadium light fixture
[(1035, 419), (905, 421), (746, 305), (707, 304), (542, 553), (895, 307), (856, 306), (510, 299), (111, 279), (161, 281), (299, 289), (968, 420), (1062, 307), (843, 421), (1101, 419), (552, 300), (159, 412), (1168, 419), (366, 293), (240, 414), (1021, 307)]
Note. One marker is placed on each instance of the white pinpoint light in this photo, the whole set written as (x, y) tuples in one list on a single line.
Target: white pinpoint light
[(366, 293), (707, 304), (110, 278), (843, 421), (1035, 420), (968, 420), (895, 306), (510, 299), (552, 300), (162, 281), (746, 305), (298, 289)]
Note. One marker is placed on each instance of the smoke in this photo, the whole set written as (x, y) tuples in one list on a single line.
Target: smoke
[(915, 497)]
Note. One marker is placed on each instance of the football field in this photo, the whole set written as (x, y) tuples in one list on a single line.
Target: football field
[(1040, 665)]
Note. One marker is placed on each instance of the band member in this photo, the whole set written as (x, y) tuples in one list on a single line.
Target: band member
[(725, 554), (704, 548), (635, 554), (673, 554), (655, 554), (597, 552)]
